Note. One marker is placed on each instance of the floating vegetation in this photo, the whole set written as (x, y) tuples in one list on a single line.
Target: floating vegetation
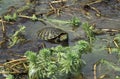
[(117, 41), (75, 22), (53, 63), (117, 77), (116, 48), (10, 76), (116, 45), (89, 32), (9, 17), (57, 62), (17, 37)]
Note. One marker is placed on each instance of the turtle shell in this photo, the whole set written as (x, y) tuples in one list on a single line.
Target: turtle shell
[(52, 34)]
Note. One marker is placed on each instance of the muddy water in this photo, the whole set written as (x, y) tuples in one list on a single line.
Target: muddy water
[(110, 19), (4, 4)]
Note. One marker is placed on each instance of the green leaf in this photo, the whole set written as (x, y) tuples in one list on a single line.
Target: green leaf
[(75, 21), (10, 76), (34, 17), (111, 65), (15, 16), (8, 17), (89, 32), (31, 56), (15, 38), (56, 62)]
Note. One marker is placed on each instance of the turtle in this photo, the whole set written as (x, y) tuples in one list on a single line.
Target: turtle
[(53, 34)]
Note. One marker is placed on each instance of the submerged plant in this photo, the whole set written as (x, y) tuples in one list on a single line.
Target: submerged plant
[(110, 64), (17, 36), (9, 76), (75, 22), (34, 17), (56, 62), (9, 17), (116, 48), (117, 41), (89, 31)]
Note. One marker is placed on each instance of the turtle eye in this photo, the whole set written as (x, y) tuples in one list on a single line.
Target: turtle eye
[(63, 37)]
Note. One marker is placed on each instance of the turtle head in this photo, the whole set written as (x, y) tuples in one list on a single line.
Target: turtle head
[(63, 37)]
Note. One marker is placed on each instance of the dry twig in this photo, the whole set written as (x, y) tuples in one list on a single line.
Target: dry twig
[(15, 66)]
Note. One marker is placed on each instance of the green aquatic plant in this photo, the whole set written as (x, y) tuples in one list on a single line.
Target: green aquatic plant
[(9, 76), (34, 18), (17, 36), (116, 48), (89, 31), (117, 77), (9, 17), (117, 40), (111, 65), (57, 62), (74, 21), (31, 56)]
